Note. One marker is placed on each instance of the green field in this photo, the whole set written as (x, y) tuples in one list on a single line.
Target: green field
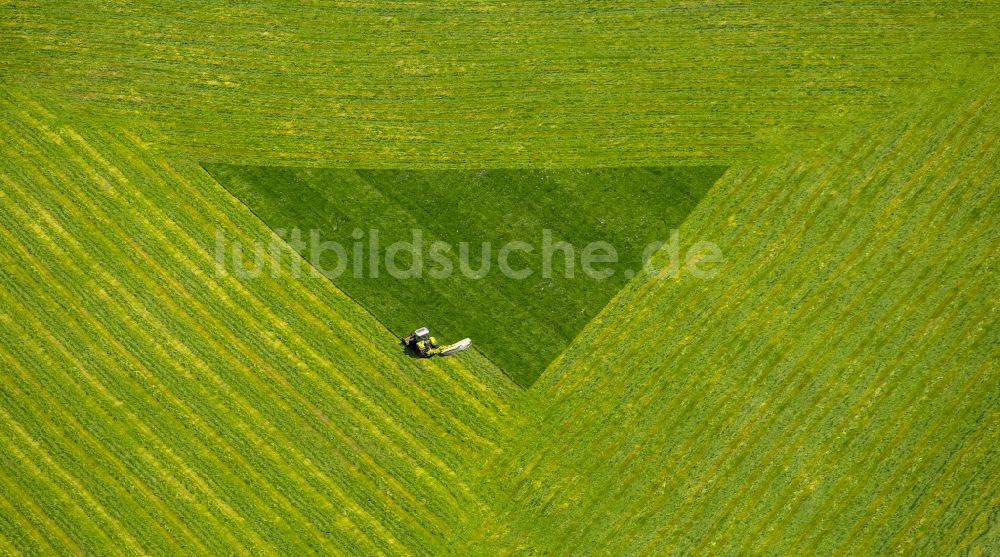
[(846, 393), (520, 320), (833, 390)]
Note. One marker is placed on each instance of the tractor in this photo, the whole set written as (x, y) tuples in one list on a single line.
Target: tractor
[(424, 345)]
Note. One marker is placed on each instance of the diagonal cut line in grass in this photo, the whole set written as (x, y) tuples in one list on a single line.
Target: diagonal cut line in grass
[(521, 324)]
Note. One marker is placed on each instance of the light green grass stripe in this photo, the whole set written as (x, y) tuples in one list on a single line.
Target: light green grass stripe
[(139, 517), (29, 526), (792, 446), (7, 546), (835, 389), (151, 340), (413, 84), (956, 254)]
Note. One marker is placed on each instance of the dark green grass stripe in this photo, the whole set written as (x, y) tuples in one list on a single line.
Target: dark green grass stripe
[(520, 324)]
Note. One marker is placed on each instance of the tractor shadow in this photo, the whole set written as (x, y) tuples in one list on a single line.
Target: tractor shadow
[(410, 352)]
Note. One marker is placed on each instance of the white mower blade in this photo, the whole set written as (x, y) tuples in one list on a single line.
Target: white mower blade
[(457, 347)]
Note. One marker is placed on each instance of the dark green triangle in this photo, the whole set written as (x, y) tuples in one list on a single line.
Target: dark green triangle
[(521, 325)]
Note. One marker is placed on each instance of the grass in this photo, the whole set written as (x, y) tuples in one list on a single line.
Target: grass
[(520, 324), (490, 85), (242, 417), (833, 391)]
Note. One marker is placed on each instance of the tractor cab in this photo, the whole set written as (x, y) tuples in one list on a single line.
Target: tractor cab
[(423, 333)]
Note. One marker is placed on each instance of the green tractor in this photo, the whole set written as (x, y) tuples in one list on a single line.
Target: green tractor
[(424, 345)]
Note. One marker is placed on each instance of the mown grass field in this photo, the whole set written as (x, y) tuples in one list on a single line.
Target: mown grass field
[(519, 322), (834, 390), (491, 85), (846, 397), (149, 405)]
